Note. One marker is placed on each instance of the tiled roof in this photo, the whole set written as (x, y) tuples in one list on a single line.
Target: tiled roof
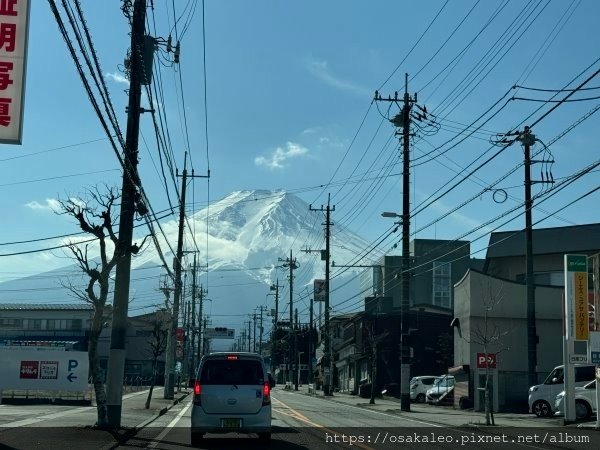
[(45, 306)]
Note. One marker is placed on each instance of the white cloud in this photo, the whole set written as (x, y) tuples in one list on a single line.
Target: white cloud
[(51, 205), (277, 159), (320, 70), (116, 77)]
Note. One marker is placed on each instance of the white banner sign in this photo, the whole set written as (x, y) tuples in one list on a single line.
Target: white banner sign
[(14, 25), (43, 369)]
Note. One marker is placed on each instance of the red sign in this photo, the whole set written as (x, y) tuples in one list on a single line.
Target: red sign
[(14, 22), (483, 362), (180, 334), (29, 369)]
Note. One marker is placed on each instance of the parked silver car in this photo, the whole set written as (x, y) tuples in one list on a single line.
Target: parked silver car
[(419, 386), (232, 393), (441, 389), (585, 401)]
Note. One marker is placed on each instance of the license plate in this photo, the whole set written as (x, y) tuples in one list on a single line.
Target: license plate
[(231, 423)]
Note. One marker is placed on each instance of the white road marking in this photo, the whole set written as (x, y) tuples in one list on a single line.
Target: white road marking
[(173, 422)]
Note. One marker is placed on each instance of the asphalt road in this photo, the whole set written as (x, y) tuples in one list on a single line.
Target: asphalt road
[(300, 421)]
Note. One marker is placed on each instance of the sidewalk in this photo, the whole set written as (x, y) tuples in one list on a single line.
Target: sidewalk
[(74, 427), (439, 415)]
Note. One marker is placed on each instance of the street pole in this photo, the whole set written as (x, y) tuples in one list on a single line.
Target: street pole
[(310, 342), (116, 361), (249, 336), (292, 264), (402, 120), (171, 353), (528, 139), (200, 328), (327, 361), (193, 323), (275, 288)]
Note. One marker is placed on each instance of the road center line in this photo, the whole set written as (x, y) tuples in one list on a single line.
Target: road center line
[(302, 418)]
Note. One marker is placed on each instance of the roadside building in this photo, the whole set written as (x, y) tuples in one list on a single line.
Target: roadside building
[(497, 296), (47, 324)]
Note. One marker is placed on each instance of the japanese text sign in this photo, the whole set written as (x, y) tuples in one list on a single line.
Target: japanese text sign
[(576, 297), (14, 24)]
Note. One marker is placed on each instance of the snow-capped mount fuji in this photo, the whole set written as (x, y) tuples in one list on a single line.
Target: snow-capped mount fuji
[(252, 229), (245, 235)]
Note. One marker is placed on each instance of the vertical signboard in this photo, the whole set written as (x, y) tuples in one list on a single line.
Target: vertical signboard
[(319, 290), (14, 24), (576, 297)]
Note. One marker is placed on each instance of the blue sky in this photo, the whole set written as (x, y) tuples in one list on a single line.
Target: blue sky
[(288, 86)]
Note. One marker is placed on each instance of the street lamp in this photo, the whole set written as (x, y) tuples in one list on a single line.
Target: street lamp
[(390, 214)]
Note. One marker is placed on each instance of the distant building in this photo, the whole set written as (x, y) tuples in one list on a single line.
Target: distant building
[(437, 265), (47, 323), (67, 325)]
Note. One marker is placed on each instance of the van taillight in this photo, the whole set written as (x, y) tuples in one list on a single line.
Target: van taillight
[(266, 394)]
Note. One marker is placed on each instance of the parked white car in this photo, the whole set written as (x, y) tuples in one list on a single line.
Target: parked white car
[(542, 397), (443, 386), (419, 386), (585, 401)]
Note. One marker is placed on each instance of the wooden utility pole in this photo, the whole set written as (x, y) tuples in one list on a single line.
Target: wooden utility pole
[(129, 203), (327, 363), (292, 264)]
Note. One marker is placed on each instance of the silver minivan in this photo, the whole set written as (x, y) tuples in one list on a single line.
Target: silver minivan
[(232, 394)]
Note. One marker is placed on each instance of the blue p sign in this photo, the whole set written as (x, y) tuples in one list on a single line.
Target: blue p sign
[(72, 364)]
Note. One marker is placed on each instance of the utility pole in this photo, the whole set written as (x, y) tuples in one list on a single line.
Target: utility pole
[(292, 264), (200, 328), (260, 329), (328, 353), (310, 341), (171, 353), (249, 336), (274, 287), (130, 201), (402, 120), (527, 139), (193, 323), (254, 335)]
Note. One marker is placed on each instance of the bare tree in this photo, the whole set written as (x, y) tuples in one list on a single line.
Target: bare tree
[(95, 217), (157, 344), (373, 340), (489, 337)]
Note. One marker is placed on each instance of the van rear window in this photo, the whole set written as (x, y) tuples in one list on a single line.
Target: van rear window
[(227, 372)]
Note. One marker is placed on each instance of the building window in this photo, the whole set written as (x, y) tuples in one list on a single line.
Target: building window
[(73, 324), (442, 284), (34, 324), (11, 323)]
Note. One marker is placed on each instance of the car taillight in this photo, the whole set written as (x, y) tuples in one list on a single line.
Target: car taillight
[(266, 394), (197, 392)]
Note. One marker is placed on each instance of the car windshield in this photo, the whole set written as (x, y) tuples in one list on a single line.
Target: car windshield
[(215, 371)]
